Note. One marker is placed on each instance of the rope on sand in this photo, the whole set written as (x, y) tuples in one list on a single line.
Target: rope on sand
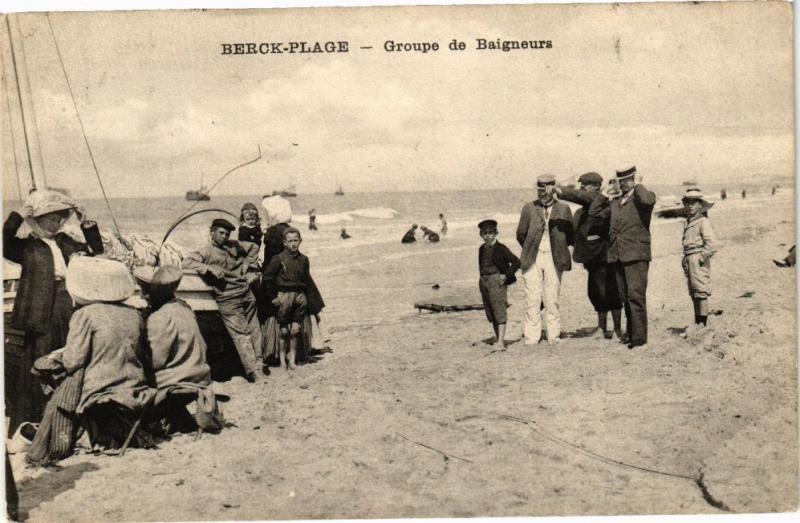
[(445, 455), (587, 452), (698, 480)]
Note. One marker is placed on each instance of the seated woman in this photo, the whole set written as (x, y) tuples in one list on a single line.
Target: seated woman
[(104, 342), (177, 351)]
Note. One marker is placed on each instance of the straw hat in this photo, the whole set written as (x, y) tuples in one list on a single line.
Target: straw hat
[(694, 193), (92, 280), (626, 173), (545, 180)]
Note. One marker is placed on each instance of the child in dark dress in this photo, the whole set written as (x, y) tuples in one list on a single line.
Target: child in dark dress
[(250, 225)]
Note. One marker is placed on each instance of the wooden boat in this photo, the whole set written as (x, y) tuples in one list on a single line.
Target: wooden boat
[(222, 356)]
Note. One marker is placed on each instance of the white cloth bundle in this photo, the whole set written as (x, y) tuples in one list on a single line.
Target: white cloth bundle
[(278, 210)]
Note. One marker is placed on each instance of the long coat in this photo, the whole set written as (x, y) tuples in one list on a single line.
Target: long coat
[(591, 234), (531, 229), (33, 305), (629, 232)]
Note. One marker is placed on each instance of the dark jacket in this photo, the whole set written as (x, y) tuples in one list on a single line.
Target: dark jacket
[(33, 304), (591, 234), (503, 259), (531, 229), (629, 230), (273, 246)]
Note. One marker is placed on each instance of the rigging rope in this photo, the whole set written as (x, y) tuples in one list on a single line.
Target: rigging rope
[(21, 105), (11, 130), (80, 122)]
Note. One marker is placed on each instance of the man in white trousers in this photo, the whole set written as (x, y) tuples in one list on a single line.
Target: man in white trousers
[(545, 232)]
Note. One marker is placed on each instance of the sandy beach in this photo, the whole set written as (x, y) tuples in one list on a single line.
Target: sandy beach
[(416, 415)]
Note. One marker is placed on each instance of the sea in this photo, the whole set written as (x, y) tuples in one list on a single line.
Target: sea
[(369, 218), (371, 277)]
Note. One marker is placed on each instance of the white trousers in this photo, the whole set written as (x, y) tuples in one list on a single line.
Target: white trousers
[(542, 283)]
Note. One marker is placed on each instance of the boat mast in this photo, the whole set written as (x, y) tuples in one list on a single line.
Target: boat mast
[(25, 74), (21, 104)]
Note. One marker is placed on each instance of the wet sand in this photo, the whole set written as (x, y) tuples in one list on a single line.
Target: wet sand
[(415, 415)]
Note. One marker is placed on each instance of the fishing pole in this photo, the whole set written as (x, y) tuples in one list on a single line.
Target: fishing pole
[(181, 220)]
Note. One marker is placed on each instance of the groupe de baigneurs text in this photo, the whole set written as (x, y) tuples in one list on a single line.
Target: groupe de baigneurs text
[(389, 46)]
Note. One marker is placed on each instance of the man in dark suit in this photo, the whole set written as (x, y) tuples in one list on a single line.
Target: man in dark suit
[(591, 248), (629, 206), (544, 232)]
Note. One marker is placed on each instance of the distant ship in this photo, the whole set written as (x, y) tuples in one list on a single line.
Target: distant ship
[(689, 182), (339, 191), (289, 192), (199, 195)]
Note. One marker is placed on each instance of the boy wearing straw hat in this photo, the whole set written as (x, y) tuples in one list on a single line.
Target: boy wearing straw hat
[(699, 246)]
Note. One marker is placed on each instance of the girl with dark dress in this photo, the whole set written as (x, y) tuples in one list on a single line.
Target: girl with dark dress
[(250, 225), (42, 307)]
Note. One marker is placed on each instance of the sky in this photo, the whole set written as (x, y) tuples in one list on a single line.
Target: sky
[(685, 92)]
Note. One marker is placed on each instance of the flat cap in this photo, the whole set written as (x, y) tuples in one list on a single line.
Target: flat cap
[(222, 222), (488, 225), (591, 178)]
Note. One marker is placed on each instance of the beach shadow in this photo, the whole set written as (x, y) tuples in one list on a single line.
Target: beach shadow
[(35, 491), (677, 331), (314, 355), (583, 332)]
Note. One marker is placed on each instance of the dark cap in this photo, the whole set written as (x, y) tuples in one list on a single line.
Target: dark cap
[(591, 178), (545, 180), (626, 173), (222, 222), (490, 225)]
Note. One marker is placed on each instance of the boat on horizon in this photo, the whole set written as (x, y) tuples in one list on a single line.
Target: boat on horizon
[(289, 192), (198, 195), (339, 191)]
